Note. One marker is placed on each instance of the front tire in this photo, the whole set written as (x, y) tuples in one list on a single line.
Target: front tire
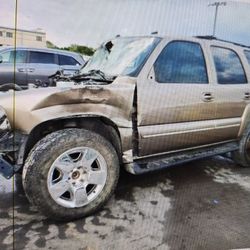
[(70, 173)]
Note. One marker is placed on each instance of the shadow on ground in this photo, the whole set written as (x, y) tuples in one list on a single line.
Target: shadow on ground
[(200, 205)]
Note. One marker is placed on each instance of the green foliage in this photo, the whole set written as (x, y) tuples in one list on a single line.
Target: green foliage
[(84, 50), (81, 49), (50, 45)]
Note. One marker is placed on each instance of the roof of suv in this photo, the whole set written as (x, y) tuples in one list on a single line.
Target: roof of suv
[(57, 51), (39, 49), (205, 38)]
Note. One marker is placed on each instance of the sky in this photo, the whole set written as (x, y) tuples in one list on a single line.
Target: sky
[(90, 22)]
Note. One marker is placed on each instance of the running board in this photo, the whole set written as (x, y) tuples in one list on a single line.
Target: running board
[(152, 164)]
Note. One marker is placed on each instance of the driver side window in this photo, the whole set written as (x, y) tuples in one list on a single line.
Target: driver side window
[(9, 56), (6, 57), (181, 62)]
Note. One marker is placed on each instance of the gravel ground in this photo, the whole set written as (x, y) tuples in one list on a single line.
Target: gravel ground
[(200, 205)]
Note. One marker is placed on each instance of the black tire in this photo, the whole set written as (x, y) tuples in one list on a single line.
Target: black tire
[(242, 155), (42, 156)]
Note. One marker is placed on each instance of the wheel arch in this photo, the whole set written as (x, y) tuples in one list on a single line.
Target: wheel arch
[(99, 124), (245, 121)]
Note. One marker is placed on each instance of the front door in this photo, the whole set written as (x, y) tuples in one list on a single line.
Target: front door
[(176, 105), (8, 67)]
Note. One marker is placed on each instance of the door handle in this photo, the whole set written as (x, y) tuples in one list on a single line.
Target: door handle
[(247, 96), (207, 97), (31, 70), (21, 70)]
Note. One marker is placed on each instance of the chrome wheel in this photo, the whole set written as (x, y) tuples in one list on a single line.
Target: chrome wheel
[(77, 177)]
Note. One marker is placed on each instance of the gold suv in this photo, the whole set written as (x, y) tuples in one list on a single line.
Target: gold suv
[(142, 103)]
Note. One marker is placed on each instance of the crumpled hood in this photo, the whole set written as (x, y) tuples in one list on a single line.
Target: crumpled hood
[(30, 107)]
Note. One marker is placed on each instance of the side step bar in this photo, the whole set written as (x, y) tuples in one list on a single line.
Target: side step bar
[(152, 164)]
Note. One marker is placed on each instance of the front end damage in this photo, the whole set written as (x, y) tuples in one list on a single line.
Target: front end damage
[(9, 146), (38, 112)]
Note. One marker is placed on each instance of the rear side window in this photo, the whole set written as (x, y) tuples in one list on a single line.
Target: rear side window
[(247, 53), (181, 62), (228, 66), (42, 57), (67, 60)]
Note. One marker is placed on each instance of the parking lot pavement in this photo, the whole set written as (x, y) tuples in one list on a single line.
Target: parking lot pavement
[(200, 205)]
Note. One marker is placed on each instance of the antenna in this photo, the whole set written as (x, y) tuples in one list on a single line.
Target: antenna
[(216, 5)]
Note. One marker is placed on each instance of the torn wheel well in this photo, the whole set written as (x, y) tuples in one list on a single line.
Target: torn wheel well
[(100, 125)]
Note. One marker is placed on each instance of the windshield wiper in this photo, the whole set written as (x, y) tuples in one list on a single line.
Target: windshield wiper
[(93, 74)]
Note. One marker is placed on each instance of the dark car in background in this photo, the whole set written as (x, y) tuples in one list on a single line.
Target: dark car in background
[(35, 65)]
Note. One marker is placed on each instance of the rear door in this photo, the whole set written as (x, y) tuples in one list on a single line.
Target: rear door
[(7, 67), (40, 66), (176, 105), (232, 90)]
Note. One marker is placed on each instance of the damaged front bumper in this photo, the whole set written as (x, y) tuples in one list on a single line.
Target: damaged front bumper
[(5, 128), (9, 145), (9, 151), (7, 170)]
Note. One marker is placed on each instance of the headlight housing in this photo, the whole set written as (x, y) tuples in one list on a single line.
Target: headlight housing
[(4, 125)]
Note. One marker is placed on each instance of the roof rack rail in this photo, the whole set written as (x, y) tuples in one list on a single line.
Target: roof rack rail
[(218, 39), (207, 37)]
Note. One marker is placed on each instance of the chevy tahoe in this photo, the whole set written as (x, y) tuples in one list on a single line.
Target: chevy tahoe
[(142, 103)]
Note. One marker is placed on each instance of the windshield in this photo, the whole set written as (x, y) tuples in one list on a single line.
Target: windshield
[(121, 56)]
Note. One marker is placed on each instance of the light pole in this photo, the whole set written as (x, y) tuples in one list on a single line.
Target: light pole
[(217, 5)]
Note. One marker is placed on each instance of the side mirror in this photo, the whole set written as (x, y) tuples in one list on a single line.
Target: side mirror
[(1, 59)]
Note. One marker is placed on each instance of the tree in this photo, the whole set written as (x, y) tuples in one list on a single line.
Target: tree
[(51, 45), (81, 49), (84, 50)]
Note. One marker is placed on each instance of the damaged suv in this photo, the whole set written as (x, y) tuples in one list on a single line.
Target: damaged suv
[(142, 103)]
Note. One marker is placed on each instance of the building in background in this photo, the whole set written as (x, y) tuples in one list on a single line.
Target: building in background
[(29, 38)]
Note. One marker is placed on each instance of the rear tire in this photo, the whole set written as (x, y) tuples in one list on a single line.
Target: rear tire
[(80, 162), (242, 156)]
